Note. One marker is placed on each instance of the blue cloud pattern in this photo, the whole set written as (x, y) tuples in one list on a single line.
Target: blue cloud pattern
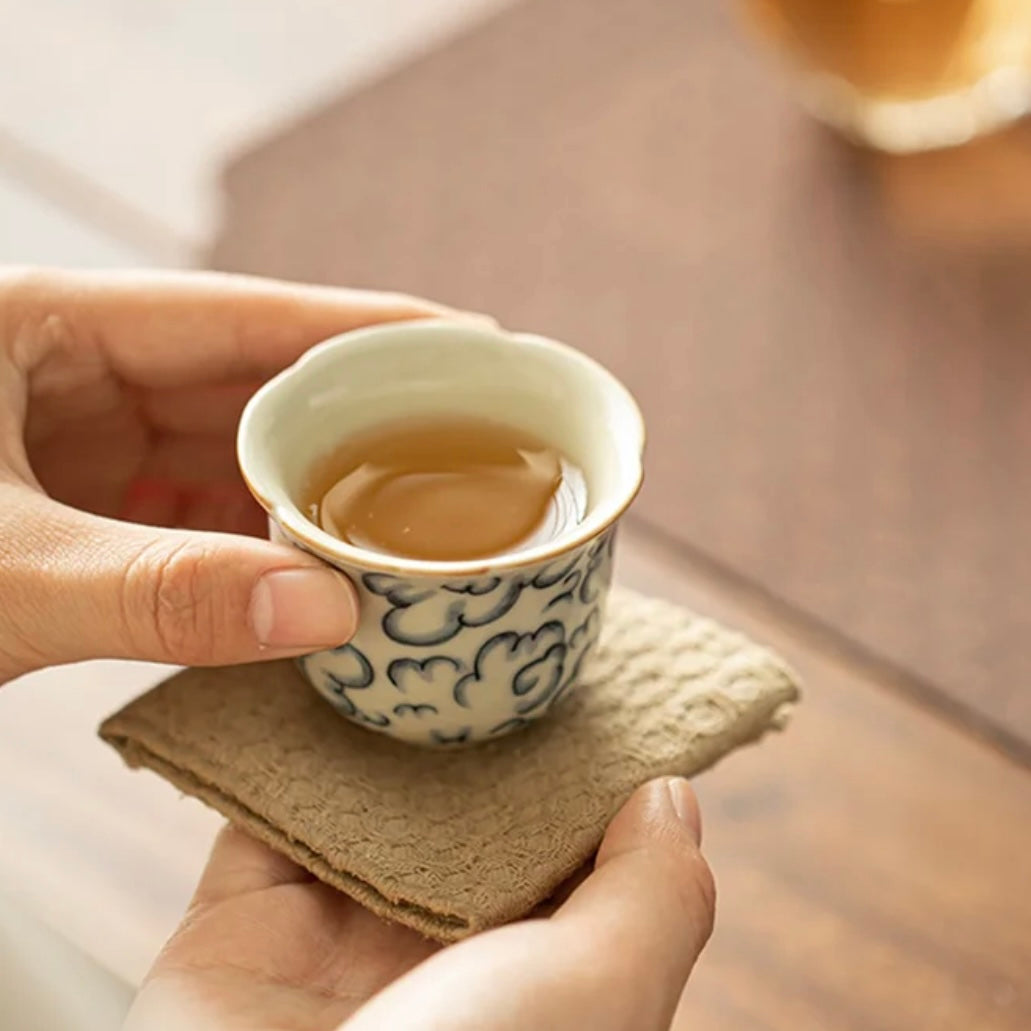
[(598, 573), (581, 644), (457, 737), (441, 674), (348, 670), (419, 710), (526, 666), (423, 676), (427, 616), (509, 725)]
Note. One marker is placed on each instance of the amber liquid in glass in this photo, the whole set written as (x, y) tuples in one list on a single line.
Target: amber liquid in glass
[(444, 488), (906, 74)]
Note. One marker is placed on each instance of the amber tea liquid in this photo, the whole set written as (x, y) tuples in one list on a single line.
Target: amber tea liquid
[(907, 74), (444, 488)]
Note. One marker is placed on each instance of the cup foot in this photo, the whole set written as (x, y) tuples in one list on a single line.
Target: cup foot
[(901, 126)]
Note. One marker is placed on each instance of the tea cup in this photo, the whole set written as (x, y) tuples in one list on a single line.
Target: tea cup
[(459, 652)]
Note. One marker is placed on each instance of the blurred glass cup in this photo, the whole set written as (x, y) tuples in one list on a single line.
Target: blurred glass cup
[(906, 75)]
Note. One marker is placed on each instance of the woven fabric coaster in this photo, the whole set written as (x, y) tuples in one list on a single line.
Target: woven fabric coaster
[(453, 842)]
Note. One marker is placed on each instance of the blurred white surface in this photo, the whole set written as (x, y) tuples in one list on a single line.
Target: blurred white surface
[(146, 99), (35, 231), (106, 857), (46, 984)]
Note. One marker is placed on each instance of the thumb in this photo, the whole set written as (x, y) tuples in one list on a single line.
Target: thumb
[(648, 906), (614, 957), (76, 586)]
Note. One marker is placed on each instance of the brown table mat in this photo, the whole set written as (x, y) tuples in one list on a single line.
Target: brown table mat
[(451, 842), (831, 350)]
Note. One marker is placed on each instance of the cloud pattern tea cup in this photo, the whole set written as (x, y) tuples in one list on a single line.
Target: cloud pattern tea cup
[(452, 653)]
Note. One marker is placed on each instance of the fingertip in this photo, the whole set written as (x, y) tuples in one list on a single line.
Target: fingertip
[(476, 319), (304, 608), (650, 901), (661, 809), (404, 307), (685, 805), (479, 318), (204, 599), (663, 820)]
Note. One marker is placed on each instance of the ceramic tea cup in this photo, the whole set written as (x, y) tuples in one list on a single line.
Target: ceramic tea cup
[(452, 653)]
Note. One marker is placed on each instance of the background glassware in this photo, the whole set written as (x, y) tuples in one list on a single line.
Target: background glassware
[(905, 75)]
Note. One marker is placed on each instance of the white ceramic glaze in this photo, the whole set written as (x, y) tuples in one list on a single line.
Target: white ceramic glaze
[(452, 653)]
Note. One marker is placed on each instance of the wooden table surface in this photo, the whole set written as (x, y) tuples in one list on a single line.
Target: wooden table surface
[(869, 861), (832, 354)]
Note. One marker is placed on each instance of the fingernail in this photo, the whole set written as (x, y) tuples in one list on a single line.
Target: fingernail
[(682, 799), (303, 609), (463, 315), (481, 318)]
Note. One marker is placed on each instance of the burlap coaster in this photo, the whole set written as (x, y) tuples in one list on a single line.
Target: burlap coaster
[(452, 842)]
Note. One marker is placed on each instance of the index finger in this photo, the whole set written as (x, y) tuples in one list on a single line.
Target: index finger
[(168, 329)]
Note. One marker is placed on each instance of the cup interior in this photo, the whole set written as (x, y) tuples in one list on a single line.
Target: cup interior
[(402, 370)]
